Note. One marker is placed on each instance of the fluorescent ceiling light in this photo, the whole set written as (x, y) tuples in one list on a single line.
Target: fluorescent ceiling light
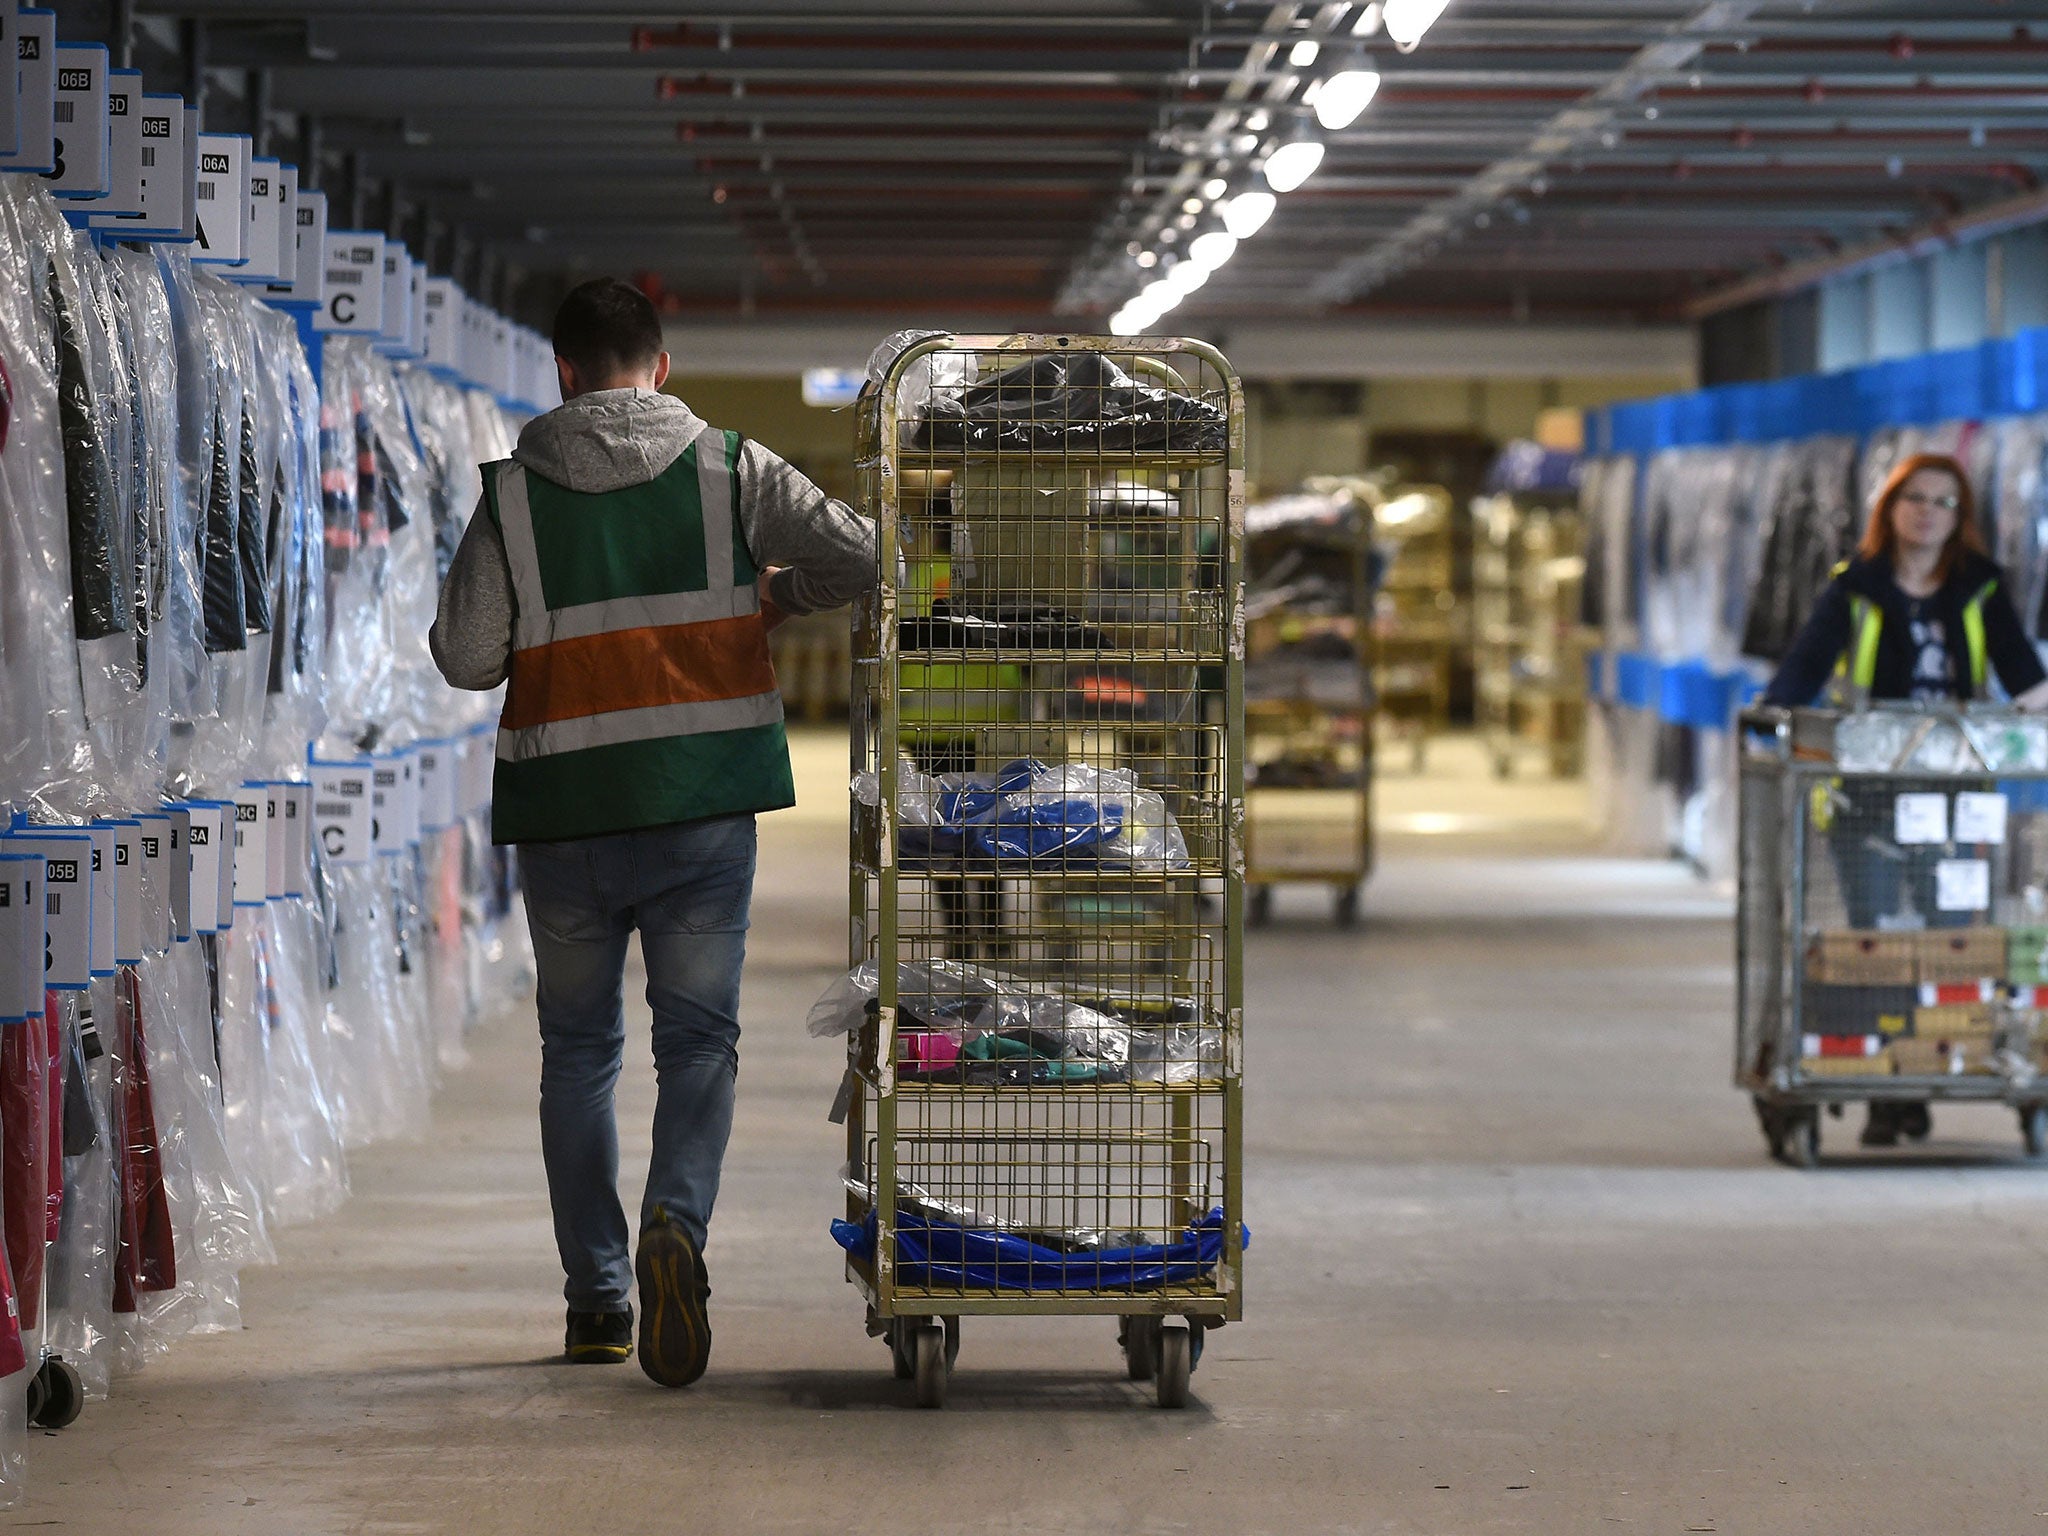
[(1246, 214), (1344, 96), (1259, 121), (1214, 188), (1303, 53), (1293, 163), (1368, 20), (1187, 277), (1407, 20), (1211, 250), (1160, 295)]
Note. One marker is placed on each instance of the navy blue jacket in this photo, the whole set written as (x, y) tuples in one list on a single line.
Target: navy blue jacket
[(1827, 633)]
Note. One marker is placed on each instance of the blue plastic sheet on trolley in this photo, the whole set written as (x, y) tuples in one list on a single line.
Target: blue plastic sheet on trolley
[(936, 1253)]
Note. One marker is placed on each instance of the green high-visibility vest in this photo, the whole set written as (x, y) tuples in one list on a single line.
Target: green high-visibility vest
[(1857, 668), (640, 691)]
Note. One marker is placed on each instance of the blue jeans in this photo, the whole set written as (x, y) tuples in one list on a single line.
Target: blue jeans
[(686, 888)]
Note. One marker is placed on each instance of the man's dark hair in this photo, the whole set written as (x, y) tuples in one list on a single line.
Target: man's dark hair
[(606, 327)]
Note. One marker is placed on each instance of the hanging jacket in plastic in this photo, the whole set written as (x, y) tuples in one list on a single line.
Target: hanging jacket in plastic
[(101, 596)]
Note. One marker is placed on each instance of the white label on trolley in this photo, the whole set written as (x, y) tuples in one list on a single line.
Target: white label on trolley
[(1919, 818), (1963, 885), (1980, 816)]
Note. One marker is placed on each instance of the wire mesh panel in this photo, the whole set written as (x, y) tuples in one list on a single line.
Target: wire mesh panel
[(1894, 906), (1043, 1090)]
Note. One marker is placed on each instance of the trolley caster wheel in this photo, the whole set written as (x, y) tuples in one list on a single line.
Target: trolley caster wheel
[(2034, 1128), (952, 1326), (1139, 1337), (1258, 906), (63, 1395), (38, 1395), (1801, 1137), (902, 1349), (1176, 1360), (929, 1367), (1916, 1122), (1347, 906)]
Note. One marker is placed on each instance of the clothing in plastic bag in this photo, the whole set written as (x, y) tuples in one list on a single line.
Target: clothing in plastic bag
[(1079, 402), (1028, 812)]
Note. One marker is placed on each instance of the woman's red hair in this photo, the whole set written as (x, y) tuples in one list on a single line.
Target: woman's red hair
[(1881, 538)]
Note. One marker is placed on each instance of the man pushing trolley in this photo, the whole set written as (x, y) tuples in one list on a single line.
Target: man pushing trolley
[(621, 577)]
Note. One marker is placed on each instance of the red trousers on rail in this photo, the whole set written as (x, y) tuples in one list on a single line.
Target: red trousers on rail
[(147, 1260)]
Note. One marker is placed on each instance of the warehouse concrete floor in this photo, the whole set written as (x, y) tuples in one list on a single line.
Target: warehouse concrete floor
[(1518, 1265)]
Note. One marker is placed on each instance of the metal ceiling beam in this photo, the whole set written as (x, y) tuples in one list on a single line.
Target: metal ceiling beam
[(1556, 138)]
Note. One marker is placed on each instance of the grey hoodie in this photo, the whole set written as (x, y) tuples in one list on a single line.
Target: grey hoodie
[(614, 438)]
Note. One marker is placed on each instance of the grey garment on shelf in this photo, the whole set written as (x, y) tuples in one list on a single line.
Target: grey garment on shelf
[(609, 440)]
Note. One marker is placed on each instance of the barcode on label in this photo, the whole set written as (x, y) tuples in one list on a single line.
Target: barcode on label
[(205, 192), (65, 109), (56, 907), (149, 157)]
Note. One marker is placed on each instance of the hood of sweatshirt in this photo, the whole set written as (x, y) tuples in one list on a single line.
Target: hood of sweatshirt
[(608, 440)]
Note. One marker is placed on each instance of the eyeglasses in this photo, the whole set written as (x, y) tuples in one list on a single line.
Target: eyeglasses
[(1940, 503)]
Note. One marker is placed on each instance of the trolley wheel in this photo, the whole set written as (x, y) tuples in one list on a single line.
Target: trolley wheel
[(1916, 1122), (902, 1348), (38, 1394), (1802, 1137), (952, 1340), (1258, 905), (63, 1394), (929, 1366), (1139, 1337), (1176, 1360), (2034, 1128), (1347, 906)]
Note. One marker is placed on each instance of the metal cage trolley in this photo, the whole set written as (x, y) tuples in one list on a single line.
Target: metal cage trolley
[(1309, 696), (1042, 1096), (1892, 931)]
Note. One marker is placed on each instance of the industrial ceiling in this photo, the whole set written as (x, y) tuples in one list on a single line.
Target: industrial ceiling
[(1528, 158)]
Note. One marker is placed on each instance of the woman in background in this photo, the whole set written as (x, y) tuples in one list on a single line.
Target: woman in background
[(1921, 614)]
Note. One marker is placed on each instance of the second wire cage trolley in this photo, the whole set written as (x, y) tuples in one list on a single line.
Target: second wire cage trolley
[(1042, 1102)]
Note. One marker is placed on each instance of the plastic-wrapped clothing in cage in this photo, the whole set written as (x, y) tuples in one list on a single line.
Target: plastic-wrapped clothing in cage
[(941, 1254), (1080, 402), (962, 1022), (1028, 812)]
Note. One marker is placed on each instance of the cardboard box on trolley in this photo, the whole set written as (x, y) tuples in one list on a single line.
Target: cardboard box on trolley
[(1862, 957)]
